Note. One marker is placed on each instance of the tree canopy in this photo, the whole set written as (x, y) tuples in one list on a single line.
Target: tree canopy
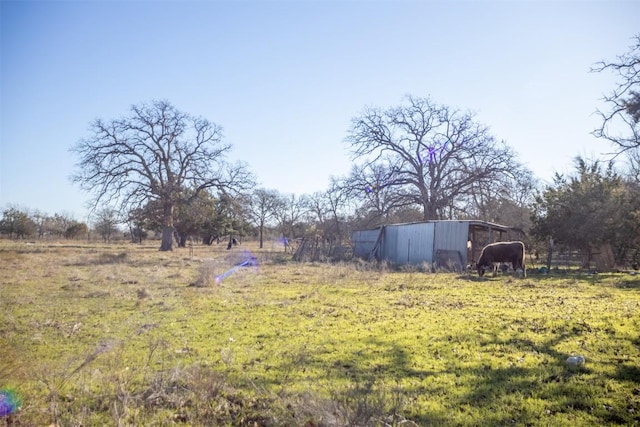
[(425, 154), (17, 222), (588, 209), (156, 153)]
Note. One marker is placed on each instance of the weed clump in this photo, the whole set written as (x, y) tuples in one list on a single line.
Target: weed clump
[(143, 293), (107, 258), (206, 274)]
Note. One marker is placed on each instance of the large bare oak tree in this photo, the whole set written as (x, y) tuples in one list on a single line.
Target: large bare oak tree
[(156, 153), (430, 155), (621, 123)]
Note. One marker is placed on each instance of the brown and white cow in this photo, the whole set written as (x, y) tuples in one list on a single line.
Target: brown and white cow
[(497, 252)]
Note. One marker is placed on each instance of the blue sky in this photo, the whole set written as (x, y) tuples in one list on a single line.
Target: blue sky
[(284, 78)]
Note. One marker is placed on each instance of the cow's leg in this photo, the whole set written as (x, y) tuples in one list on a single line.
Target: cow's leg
[(518, 267)]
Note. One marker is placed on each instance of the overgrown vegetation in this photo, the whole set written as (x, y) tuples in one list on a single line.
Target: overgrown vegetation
[(589, 209), (115, 335)]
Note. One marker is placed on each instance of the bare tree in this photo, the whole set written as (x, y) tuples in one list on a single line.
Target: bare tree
[(106, 223), (337, 205), (432, 155), (157, 153), (621, 123), (507, 201), (289, 215), (633, 163), (368, 183), (328, 211), (58, 224), (40, 219), (264, 205)]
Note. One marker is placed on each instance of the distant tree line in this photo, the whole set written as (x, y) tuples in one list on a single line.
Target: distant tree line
[(592, 206), (17, 223)]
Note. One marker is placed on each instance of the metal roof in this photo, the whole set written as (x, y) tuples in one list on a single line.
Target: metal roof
[(472, 222)]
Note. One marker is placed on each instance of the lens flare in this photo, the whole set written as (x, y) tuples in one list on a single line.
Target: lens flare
[(431, 153), (248, 260), (9, 402)]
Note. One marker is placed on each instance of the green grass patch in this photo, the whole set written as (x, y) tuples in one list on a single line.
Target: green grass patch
[(127, 335)]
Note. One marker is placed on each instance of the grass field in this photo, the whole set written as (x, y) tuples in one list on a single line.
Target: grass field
[(127, 335)]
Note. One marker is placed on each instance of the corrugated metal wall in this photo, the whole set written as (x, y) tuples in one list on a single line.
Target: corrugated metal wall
[(413, 244), (408, 243), (363, 242), (452, 235)]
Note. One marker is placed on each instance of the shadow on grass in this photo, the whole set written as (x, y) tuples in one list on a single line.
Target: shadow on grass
[(497, 394), (621, 280), (122, 258), (632, 282), (101, 259), (358, 395), (472, 278), (625, 372)]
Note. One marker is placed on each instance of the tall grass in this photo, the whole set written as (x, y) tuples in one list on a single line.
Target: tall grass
[(118, 335)]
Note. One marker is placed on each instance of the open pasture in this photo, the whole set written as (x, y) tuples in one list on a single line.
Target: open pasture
[(127, 335)]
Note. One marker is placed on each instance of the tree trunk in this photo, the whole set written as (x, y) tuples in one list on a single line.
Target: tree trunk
[(167, 239), (167, 229), (430, 211), (261, 229), (182, 240)]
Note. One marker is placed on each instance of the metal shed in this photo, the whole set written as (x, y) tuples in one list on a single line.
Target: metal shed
[(448, 245)]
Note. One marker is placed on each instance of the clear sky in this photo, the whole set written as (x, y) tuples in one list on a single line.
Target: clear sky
[(284, 78)]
